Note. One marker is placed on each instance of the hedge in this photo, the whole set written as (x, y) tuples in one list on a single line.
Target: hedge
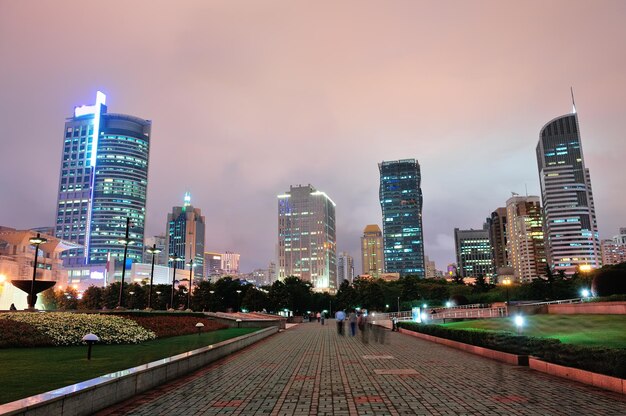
[(607, 361)]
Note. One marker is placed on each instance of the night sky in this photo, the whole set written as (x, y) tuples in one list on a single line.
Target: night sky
[(249, 97)]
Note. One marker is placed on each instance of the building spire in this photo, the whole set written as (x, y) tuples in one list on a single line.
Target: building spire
[(573, 102), (187, 199)]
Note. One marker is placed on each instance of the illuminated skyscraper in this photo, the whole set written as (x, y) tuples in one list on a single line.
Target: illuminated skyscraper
[(306, 237), (185, 236), (569, 212), (103, 180), (345, 268), (473, 252), (498, 230), (372, 257), (525, 245), (401, 203)]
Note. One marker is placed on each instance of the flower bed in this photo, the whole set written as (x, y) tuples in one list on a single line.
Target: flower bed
[(607, 361), (21, 334), (171, 326), (69, 328)]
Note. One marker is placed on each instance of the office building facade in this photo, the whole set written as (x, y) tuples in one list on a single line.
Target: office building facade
[(401, 203), (345, 268), (497, 223), (571, 230), (525, 244), (307, 238), (103, 181), (473, 252), (372, 255), (185, 236)]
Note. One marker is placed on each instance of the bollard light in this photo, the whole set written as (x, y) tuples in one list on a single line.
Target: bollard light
[(90, 339), (584, 293), (199, 325), (519, 322), (238, 323)]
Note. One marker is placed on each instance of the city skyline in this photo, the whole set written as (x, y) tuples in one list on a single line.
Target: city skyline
[(240, 109)]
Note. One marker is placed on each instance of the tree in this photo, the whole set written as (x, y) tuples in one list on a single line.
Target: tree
[(255, 300), (458, 279), (346, 297), (92, 298), (480, 285)]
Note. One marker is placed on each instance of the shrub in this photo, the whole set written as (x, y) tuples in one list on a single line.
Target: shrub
[(610, 280), (172, 325), (21, 334), (607, 361), (459, 300), (69, 328)]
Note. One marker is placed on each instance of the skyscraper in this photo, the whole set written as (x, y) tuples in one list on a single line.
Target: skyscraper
[(473, 252), (401, 202), (498, 229), (372, 257), (230, 263), (571, 230), (525, 243), (345, 268), (103, 181), (306, 237), (212, 264), (185, 235)]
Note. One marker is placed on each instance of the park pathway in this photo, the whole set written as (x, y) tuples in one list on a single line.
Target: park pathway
[(310, 370)]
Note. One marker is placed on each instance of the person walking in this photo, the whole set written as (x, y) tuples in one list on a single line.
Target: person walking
[(319, 315), (322, 318), (352, 319), (363, 324), (340, 317)]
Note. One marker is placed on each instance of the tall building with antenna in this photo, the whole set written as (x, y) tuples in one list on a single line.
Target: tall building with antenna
[(185, 236), (571, 230)]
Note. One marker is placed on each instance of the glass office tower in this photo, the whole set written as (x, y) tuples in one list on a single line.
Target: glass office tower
[(401, 203), (103, 180)]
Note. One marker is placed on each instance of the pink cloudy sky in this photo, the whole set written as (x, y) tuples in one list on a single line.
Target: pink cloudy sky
[(249, 97)]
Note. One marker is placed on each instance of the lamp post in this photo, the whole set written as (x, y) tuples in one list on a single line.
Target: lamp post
[(126, 242), (398, 305), (190, 264), (507, 282), (211, 302), (154, 251), (238, 300), (36, 241), (174, 258)]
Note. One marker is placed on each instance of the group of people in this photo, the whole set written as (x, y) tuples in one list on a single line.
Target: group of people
[(356, 319)]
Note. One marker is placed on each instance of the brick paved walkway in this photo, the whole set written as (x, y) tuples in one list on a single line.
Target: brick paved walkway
[(310, 370)]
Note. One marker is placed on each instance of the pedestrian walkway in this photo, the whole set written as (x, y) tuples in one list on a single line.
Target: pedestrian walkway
[(311, 370)]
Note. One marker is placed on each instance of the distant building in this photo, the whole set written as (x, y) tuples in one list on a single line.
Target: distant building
[(451, 270), (498, 230), (473, 252), (185, 236), (230, 263), (161, 258), (345, 268), (306, 237), (614, 250), (400, 197), (525, 243), (571, 231), (431, 269), (372, 256), (212, 264), (103, 181)]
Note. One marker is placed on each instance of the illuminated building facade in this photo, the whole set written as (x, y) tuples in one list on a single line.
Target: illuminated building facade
[(401, 203), (103, 180), (525, 244), (185, 236), (498, 237), (569, 213), (473, 252), (614, 250), (212, 264), (372, 256), (306, 237), (230, 263), (345, 268)]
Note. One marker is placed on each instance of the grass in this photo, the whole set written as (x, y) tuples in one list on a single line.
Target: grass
[(29, 371), (588, 330)]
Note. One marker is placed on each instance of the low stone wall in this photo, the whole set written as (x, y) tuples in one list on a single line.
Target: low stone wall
[(592, 308), (505, 357), (250, 323), (602, 381), (90, 396)]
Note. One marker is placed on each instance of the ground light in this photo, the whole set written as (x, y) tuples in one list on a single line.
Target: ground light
[(585, 293), (90, 339), (519, 323), (199, 325)]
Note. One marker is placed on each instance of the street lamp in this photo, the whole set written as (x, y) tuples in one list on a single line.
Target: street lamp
[(174, 258), (398, 304), (190, 264), (125, 241), (238, 300), (36, 241), (211, 303), (154, 251)]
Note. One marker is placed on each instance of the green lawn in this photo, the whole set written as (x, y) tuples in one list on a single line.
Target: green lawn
[(591, 330), (28, 371)]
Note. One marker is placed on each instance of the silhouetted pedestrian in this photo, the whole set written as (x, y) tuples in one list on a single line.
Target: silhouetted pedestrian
[(12, 307), (340, 316), (352, 319)]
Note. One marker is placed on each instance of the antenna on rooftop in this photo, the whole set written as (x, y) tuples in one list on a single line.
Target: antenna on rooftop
[(573, 102)]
